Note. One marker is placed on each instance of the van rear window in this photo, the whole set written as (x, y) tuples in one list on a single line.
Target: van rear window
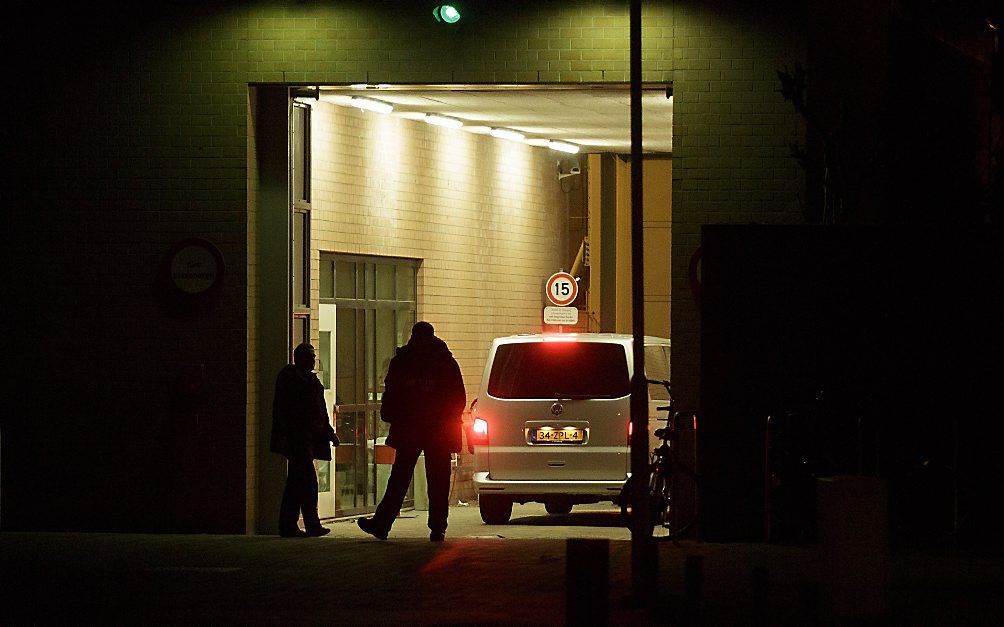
[(559, 370)]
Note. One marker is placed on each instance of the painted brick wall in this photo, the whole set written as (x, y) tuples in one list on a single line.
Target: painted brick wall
[(145, 142), (732, 133)]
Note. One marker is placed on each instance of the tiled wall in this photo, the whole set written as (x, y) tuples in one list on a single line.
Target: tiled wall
[(486, 217)]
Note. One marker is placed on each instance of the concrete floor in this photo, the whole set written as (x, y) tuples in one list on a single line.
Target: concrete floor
[(482, 574), (528, 522)]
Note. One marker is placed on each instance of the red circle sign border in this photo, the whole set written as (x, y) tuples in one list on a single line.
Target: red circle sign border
[(575, 289)]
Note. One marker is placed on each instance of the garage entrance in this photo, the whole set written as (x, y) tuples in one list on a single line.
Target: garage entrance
[(475, 194)]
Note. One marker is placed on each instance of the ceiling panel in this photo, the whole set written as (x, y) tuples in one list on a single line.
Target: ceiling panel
[(598, 119)]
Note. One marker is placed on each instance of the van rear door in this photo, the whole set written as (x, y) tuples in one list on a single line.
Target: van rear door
[(557, 410)]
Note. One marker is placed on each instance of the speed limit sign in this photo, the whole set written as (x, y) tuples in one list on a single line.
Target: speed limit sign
[(562, 289)]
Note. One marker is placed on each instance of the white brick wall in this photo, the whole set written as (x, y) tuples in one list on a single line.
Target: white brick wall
[(485, 216)]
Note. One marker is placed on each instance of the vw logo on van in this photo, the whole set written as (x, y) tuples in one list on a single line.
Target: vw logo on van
[(557, 409)]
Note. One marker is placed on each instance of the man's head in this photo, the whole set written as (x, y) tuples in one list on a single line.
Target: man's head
[(304, 356), (422, 331)]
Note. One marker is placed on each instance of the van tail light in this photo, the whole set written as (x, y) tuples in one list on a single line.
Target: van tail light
[(480, 428), (477, 434)]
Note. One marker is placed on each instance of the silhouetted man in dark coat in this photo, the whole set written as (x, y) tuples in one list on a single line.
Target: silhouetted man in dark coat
[(301, 432), (423, 401)]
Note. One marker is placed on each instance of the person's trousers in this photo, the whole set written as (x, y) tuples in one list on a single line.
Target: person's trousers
[(437, 475), (300, 495)]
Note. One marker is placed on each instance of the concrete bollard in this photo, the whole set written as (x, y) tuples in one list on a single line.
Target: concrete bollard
[(587, 581), (760, 592), (852, 523), (693, 582)]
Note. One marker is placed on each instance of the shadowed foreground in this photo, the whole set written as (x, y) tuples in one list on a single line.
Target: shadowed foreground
[(351, 578)]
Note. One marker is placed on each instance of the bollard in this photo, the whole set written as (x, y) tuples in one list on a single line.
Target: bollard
[(759, 589), (853, 528), (587, 581), (693, 581)]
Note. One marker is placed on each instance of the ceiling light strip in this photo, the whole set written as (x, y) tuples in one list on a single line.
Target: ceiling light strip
[(562, 146), (505, 133), (371, 105), (442, 120)]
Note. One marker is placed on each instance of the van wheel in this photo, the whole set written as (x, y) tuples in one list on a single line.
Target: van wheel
[(495, 510), (558, 507)]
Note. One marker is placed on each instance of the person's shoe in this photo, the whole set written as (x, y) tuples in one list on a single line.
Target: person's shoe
[(437, 536), (292, 533), (318, 532), (369, 526)]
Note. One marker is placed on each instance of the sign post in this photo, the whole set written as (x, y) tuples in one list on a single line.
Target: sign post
[(644, 565)]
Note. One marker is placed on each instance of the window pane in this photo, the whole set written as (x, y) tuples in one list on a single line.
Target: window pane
[(345, 279), (299, 260), (386, 335), (385, 281), (370, 287), (327, 278), (346, 391), (370, 355), (405, 320), (405, 283), (301, 154), (299, 115), (559, 370), (301, 330), (323, 350)]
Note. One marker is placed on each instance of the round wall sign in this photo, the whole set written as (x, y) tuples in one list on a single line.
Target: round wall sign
[(195, 268), (562, 288), (190, 278)]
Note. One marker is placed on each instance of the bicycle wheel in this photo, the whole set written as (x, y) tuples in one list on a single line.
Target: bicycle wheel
[(659, 499)]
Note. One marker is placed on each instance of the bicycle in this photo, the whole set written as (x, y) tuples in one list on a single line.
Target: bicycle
[(664, 470)]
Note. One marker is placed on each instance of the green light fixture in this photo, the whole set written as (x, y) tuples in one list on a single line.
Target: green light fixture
[(446, 13)]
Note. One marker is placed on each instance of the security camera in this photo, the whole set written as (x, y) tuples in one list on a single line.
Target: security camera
[(567, 168), (571, 172)]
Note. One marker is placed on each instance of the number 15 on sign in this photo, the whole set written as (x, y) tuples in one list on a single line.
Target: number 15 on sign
[(562, 288)]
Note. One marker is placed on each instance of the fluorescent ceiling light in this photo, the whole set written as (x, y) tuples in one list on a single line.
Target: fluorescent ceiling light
[(504, 133), (372, 105), (442, 120), (563, 146)]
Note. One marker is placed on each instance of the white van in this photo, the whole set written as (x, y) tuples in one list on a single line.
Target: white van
[(551, 420)]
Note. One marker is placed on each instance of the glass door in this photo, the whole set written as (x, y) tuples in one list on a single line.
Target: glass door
[(367, 308), (326, 487)]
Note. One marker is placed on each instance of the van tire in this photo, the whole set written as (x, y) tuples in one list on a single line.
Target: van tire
[(495, 510), (558, 507)]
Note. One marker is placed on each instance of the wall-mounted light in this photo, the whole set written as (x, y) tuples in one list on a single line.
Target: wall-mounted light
[(563, 146), (505, 133), (442, 120), (446, 13), (369, 86), (372, 105)]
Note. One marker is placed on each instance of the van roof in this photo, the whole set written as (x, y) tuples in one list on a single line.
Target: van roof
[(577, 337)]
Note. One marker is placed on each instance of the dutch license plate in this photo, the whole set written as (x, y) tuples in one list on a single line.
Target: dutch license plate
[(557, 436)]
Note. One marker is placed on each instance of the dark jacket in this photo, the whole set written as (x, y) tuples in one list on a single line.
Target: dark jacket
[(424, 396), (299, 417)]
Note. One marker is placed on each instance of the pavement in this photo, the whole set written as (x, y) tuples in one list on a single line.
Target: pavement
[(484, 574)]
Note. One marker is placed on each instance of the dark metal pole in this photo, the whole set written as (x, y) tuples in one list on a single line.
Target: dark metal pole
[(643, 557)]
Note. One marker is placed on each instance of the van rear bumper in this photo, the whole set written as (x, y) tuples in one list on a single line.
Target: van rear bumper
[(606, 489)]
